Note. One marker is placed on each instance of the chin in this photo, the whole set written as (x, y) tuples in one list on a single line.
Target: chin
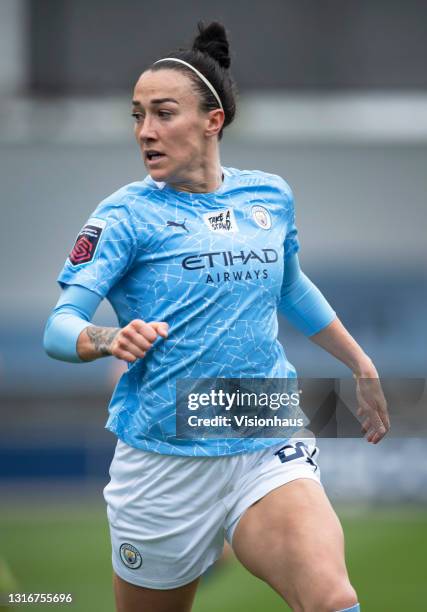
[(156, 175)]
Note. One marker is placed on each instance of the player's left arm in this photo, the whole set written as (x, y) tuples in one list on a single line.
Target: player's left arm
[(309, 311), (372, 406), (303, 304)]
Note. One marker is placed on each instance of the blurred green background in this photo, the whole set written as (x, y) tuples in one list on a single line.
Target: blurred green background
[(65, 549)]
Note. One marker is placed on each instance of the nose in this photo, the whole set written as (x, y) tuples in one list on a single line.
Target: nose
[(146, 130)]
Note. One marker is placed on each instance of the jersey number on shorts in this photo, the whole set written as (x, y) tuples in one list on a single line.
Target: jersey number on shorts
[(295, 451)]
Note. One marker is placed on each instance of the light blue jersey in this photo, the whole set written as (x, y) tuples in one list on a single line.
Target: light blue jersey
[(211, 266)]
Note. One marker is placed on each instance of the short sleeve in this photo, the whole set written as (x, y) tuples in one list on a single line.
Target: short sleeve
[(103, 251), (291, 245)]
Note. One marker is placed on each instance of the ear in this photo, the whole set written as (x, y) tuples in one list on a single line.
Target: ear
[(214, 122)]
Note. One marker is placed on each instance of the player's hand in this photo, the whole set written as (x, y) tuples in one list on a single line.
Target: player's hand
[(372, 409), (136, 339)]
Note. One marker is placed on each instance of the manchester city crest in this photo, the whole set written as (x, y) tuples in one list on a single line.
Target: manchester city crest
[(130, 556), (261, 216)]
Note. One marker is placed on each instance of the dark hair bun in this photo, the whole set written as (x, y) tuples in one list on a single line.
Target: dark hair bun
[(212, 40)]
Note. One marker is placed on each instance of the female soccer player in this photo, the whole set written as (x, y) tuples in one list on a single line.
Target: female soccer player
[(195, 260)]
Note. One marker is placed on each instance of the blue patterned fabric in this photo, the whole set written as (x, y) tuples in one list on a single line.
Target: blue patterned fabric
[(209, 264)]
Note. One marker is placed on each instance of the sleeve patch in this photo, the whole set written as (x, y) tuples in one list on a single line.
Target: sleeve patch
[(84, 248)]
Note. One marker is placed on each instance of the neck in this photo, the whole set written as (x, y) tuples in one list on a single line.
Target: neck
[(204, 179)]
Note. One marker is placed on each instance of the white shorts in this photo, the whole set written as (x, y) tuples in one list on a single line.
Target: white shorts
[(169, 514)]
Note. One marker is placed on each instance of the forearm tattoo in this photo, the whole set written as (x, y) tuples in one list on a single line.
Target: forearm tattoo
[(102, 337)]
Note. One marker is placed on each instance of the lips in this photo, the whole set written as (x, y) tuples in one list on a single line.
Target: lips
[(152, 155)]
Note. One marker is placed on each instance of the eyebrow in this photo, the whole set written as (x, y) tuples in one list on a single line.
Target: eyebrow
[(156, 101)]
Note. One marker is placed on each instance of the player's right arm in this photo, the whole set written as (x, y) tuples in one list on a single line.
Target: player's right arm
[(103, 253), (69, 335)]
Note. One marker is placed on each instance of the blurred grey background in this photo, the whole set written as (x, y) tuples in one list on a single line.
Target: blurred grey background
[(333, 97)]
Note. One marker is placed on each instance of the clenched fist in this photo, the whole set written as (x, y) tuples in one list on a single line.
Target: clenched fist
[(128, 343), (133, 341)]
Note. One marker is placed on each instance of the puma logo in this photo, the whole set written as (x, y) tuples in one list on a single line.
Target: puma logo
[(175, 224)]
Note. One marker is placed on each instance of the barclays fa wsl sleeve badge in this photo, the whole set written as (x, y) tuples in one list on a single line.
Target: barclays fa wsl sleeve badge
[(84, 248)]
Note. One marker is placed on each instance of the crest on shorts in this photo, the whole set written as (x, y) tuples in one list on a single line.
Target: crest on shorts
[(261, 216), (84, 248), (130, 556)]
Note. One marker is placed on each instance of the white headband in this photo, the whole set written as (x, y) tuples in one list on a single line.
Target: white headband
[(199, 74)]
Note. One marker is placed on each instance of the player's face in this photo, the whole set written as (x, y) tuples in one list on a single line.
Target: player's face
[(170, 128)]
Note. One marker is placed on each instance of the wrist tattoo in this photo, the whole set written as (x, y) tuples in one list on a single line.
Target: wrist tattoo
[(102, 338)]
